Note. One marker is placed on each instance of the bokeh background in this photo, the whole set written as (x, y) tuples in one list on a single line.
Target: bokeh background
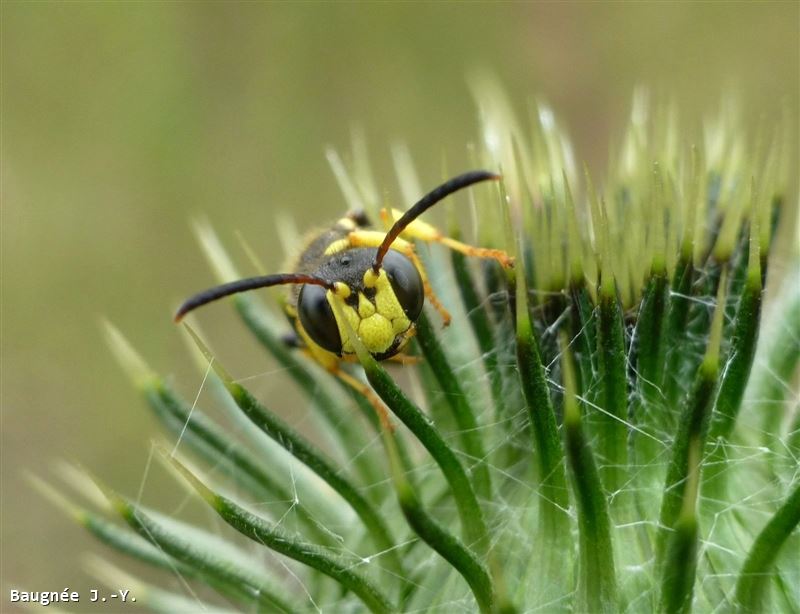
[(122, 121)]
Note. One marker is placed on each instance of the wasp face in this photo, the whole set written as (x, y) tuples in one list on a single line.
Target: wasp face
[(381, 290), (381, 307)]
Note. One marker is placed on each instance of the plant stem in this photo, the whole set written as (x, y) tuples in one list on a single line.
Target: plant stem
[(436, 536), (273, 537), (462, 410), (754, 579), (305, 452), (481, 326), (613, 395), (597, 587), (472, 521)]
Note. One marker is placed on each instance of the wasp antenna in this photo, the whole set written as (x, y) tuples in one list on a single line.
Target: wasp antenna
[(425, 203), (243, 285)]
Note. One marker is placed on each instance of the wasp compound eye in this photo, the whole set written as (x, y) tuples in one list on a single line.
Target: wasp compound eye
[(406, 283), (317, 318)]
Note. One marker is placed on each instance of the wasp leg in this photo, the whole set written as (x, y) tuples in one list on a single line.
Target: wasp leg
[(405, 359), (423, 231), (373, 238), (332, 363), (431, 296), (359, 386), (409, 253), (333, 367)]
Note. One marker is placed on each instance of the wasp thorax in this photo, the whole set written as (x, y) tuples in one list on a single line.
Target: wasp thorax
[(380, 307)]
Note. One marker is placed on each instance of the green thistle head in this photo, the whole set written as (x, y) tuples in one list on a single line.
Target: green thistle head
[(595, 432)]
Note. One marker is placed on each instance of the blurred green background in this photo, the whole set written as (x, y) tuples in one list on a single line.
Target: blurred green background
[(122, 121)]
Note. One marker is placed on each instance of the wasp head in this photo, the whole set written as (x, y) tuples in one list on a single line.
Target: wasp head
[(381, 307)]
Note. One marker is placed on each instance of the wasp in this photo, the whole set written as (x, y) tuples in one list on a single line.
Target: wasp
[(377, 277)]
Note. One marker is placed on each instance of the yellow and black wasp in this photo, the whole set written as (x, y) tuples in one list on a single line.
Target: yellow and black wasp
[(377, 276)]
